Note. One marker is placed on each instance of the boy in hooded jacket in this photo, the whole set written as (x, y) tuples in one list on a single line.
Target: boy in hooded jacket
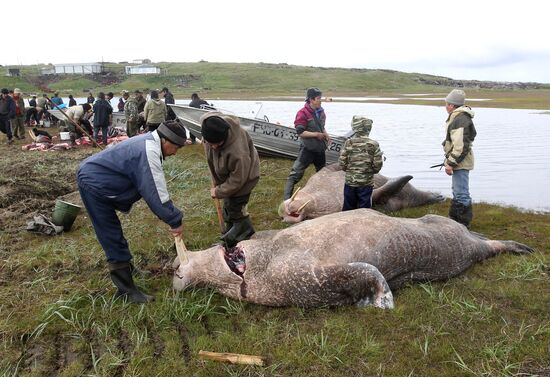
[(360, 158)]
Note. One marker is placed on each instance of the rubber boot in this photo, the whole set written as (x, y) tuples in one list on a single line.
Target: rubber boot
[(241, 230), (466, 216), (461, 214), (227, 221), (121, 275)]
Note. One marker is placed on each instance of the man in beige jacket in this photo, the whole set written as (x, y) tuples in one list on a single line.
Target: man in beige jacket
[(154, 112), (459, 156)]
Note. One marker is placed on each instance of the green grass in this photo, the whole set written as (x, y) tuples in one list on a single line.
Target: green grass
[(58, 315), (268, 81)]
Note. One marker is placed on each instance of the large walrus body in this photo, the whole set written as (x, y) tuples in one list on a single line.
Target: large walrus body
[(353, 257), (324, 194)]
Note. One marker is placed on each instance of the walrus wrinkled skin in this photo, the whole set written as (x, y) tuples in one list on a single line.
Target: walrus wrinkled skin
[(352, 257), (324, 194)]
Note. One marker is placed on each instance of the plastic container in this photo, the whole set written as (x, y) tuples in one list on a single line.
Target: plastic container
[(65, 135), (64, 214)]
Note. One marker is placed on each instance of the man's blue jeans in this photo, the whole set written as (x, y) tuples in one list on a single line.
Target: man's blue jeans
[(461, 187)]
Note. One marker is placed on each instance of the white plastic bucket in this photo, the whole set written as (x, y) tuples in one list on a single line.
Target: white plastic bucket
[(65, 135)]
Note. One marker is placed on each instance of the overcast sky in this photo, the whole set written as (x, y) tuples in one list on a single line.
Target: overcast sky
[(484, 40)]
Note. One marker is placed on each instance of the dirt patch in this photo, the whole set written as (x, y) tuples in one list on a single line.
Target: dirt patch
[(31, 181)]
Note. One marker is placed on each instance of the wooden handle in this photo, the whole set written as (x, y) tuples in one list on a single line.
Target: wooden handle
[(181, 250), (216, 200), (233, 358)]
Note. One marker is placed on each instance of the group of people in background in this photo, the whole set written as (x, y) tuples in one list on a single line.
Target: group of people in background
[(91, 117)]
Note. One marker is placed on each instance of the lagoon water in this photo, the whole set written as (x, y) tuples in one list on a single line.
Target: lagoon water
[(512, 147)]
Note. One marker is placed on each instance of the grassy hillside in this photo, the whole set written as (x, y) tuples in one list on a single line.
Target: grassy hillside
[(260, 80), (58, 316)]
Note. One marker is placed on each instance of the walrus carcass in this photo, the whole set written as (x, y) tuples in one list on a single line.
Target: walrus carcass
[(324, 194), (353, 257)]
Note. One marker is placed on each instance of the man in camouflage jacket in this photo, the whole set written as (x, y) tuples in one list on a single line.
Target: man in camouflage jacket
[(459, 156), (132, 116), (360, 158)]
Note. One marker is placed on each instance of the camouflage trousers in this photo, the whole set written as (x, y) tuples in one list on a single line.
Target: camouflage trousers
[(132, 128), (18, 127)]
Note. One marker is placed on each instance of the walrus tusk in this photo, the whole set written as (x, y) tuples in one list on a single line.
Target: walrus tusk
[(181, 250), (303, 206), (294, 195), (233, 358)]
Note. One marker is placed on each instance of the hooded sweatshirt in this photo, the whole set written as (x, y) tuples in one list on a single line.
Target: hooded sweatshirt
[(235, 166), (459, 139), (361, 156), (154, 111)]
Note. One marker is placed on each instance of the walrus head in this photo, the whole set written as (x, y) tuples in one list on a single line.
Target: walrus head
[(206, 268), (295, 209)]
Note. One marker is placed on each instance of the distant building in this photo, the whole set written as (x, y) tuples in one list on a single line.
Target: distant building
[(73, 69), (13, 72), (142, 69), (141, 61)]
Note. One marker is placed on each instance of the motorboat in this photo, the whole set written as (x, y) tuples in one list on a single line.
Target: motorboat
[(270, 139)]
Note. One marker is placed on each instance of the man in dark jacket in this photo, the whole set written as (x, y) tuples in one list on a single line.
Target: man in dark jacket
[(169, 100), (72, 101), (196, 102), (115, 179), (235, 167), (103, 113), (7, 112), (310, 126)]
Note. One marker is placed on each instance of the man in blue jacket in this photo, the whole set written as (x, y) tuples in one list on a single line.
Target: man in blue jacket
[(116, 178)]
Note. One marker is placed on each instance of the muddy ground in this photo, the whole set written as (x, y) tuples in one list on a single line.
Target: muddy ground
[(31, 181)]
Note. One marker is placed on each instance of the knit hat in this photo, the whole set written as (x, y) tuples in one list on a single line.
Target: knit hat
[(5, 91), (456, 97), (17, 91), (312, 93), (361, 125), (214, 129), (173, 131)]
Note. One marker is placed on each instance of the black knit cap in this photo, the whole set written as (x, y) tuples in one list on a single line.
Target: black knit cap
[(173, 131), (5, 91), (312, 93), (214, 129)]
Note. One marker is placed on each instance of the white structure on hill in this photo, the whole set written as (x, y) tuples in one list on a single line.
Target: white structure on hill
[(73, 69), (143, 69)]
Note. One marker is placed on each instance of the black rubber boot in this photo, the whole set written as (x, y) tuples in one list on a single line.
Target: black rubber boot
[(121, 275), (454, 210), (461, 214), (241, 230), (227, 221), (467, 216)]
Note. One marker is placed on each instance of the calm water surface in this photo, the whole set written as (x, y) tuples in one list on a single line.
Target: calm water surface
[(512, 154)]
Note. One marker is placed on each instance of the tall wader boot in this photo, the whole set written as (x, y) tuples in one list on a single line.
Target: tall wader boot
[(121, 275), (240, 231), (460, 213)]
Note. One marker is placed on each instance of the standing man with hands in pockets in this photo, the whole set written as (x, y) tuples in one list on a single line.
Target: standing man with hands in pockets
[(310, 126)]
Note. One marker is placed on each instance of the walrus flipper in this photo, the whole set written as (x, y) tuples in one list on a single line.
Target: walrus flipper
[(381, 195), (355, 283)]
